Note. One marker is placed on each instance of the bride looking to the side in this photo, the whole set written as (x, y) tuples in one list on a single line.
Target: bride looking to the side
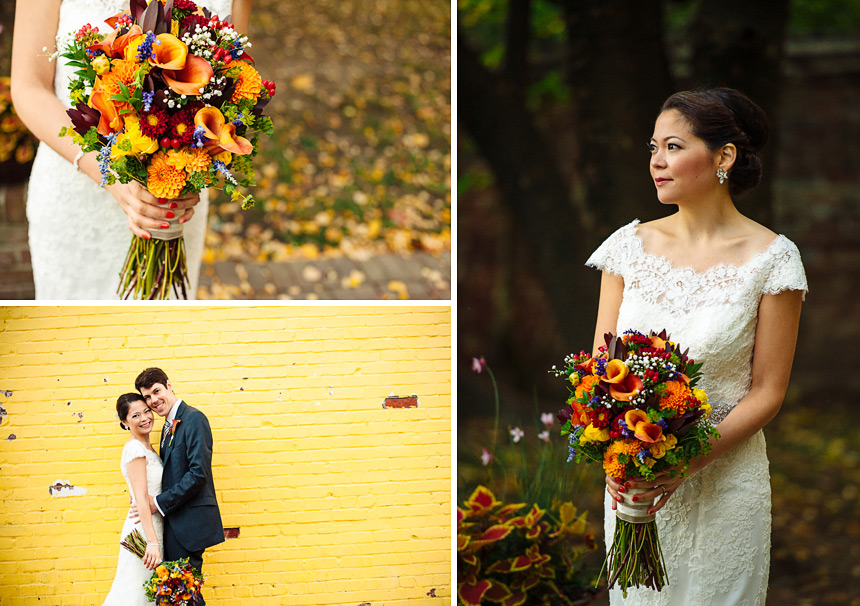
[(730, 289), (79, 233), (141, 467)]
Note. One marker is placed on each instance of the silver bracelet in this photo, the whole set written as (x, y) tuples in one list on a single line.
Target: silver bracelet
[(148, 544), (77, 162)]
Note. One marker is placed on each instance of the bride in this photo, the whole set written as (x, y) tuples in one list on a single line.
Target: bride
[(730, 289), (79, 233), (141, 467)]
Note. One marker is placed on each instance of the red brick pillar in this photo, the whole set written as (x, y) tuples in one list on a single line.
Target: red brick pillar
[(16, 273)]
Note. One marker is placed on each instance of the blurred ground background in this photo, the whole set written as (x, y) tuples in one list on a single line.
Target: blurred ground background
[(571, 80), (354, 187)]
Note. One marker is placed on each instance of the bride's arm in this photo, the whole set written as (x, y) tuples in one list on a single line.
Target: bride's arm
[(240, 15), (44, 114), (611, 291), (775, 340), (137, 477)]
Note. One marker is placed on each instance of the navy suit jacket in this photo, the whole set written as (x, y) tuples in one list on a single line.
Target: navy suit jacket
[(188, 492)]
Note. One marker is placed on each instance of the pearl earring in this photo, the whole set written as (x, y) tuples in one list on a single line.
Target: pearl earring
[(722, 175)]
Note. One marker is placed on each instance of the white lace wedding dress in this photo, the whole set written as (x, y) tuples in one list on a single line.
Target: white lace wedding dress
[(715, 530), (79, 235), (131, 574)]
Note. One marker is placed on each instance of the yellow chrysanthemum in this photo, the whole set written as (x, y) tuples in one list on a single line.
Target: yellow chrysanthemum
[(178, 158), (248, 81), (676, 396), (612, 467), (163, 180), (198, 161)]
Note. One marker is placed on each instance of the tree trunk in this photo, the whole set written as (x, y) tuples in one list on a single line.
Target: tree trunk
[(619, 73), (531, 186), (739, 44)]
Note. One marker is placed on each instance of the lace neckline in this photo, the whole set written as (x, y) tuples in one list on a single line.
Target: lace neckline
[(719, 267)]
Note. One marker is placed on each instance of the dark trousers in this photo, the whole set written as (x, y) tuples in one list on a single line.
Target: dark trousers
[(173, 550)]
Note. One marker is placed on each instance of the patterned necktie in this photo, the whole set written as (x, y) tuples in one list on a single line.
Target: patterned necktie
[(165, 432)]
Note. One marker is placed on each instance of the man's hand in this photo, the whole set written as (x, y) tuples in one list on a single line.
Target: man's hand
[(152, 507), (133, 514)]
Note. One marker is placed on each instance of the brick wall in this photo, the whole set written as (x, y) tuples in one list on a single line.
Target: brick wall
[(338, 501), (15, 269)]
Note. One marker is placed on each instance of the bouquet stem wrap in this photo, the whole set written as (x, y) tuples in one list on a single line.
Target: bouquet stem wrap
[(634, 512), (153, 267)]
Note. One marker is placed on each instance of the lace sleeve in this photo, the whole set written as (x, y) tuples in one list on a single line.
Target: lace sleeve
[(132, 450), (613, 254), (786, 272)]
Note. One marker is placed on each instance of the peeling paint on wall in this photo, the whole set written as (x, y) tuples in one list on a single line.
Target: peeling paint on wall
[(62, 488), (11, 437), (393, 401)]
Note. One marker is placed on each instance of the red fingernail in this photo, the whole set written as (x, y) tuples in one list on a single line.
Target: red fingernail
[(170, 215), (162, 200), (183, 220), (173, 205), (634, 498), (620, 489), (627, 484), (650, 511), (146, 236), (165, 225), (618, 499)]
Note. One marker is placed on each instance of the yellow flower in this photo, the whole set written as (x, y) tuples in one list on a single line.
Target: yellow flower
[(225, 157), (593, 434), (247, 81), (140, 143), (101, 65), (659, 449), (178, 158), (164, 181)]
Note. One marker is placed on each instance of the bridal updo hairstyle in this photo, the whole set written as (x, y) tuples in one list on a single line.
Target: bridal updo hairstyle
[(123, 403), (720, 116)]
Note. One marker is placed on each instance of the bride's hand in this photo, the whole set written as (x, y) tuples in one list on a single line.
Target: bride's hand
[(662, 487), (152, 557), (144, 211)]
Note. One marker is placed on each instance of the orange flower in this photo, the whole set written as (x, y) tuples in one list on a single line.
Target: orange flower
[(163, 180), (676, 397), (616, 370), (248, 81), (627, 389), (199, 161), (222, 136), (113, 45), (586, 385), (194, 74)]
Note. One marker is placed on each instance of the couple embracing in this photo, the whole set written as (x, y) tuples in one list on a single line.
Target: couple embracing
[(173, 495)]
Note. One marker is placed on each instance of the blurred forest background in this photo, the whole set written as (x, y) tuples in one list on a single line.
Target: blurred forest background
[(556, 100)]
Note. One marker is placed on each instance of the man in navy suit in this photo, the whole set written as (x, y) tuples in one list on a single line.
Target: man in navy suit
[(192, 520)]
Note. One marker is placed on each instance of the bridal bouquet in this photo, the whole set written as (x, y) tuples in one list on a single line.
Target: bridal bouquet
[(169, 98), (635, 408), (174, 583)]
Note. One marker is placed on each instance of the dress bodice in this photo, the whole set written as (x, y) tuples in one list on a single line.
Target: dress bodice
[(713, 312), (133, 449)]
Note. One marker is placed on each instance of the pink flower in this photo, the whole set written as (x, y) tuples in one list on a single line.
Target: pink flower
[(544, 435), (517, 434), (547, 418), (486, 457), (478, 365)]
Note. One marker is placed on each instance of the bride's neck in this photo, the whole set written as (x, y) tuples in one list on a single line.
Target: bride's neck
[(706, 220)]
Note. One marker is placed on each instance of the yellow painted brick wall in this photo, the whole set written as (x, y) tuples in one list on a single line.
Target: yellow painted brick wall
[(338, 501)]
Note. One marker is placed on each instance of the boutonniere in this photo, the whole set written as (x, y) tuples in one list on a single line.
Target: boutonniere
[(172, 431)]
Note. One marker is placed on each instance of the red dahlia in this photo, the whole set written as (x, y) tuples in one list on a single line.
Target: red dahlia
[(182, 126), (153, 123)]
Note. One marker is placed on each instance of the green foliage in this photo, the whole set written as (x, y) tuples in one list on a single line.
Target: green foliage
[(824, 16), (511, 555)]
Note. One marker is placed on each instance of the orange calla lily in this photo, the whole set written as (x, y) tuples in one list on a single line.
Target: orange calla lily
[(633, 417), (627, 389), (221, 135), (113, 45), (189, 79), (649, 432), (170, 52), (658, 343), (110, 120), (616, 371)]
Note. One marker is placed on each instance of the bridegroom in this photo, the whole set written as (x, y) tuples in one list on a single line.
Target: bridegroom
[(192, 520)]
